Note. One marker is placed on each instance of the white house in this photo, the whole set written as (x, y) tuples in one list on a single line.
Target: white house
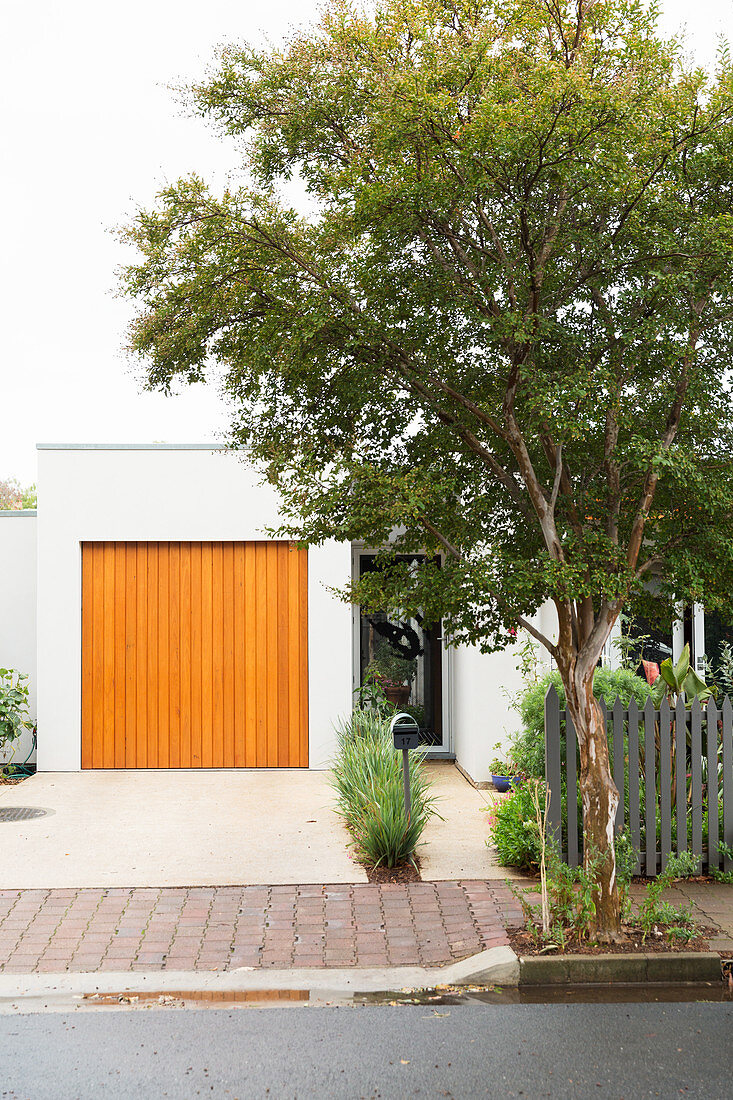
[(163, 627)]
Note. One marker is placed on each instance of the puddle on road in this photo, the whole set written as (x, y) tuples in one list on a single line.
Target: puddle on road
[(200, 998), (442, 996)]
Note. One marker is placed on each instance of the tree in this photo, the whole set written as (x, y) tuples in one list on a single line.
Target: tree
[(499, 333), (13, 497)]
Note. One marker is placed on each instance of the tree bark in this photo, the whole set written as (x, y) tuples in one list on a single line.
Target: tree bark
[(599, 799)]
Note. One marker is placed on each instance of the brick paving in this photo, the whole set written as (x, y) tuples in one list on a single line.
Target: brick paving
[(221, 928)]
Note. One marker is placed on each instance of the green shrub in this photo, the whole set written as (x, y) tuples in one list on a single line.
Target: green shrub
[(14, 715), (367, 777), (528, 746), (514, 832)]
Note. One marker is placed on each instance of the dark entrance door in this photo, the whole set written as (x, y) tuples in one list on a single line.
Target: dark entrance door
[(405, 656)]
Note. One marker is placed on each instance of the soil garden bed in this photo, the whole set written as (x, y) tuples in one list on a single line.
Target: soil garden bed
[(11, 780), (402, 873), (631, 942)]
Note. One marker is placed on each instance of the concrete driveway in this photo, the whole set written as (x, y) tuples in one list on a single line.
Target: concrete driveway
[(213, 828)]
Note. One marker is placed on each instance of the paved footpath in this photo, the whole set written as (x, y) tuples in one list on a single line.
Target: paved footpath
[(225, 927), (221, 928)]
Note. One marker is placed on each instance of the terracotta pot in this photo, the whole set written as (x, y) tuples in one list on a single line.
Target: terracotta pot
[(398, 694)]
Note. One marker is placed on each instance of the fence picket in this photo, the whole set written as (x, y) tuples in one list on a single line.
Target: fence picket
[(711, 729), (665, 783), (680, 764), (634, 826), (668, 751), (552, 767), (696, 772), (571, 754), (727, 715), (619, 714), (650, 788)]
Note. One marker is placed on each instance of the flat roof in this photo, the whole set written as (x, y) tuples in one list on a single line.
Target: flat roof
[(132, 446)]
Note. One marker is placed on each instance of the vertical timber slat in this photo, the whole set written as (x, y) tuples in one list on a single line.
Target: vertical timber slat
[(665, 783), (194, 655), (634, 823), (571, 760), (680, 762), (711, 732), (696, 754), (618, 713), (727, 716), (552, 766), (650, 788)]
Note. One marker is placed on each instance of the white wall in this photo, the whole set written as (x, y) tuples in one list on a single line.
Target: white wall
[(18, 609), (163, 493), (483, 686)]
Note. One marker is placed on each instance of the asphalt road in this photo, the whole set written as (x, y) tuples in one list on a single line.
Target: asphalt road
[(620, 1051)]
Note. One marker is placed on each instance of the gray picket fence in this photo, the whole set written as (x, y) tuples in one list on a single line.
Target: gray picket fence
[(673, 768)]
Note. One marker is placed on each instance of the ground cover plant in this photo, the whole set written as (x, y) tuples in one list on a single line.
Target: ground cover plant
[(564, 918), (496, 335), (366, 775)]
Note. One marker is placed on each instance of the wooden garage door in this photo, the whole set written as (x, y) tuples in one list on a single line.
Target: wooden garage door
[(194, 655)]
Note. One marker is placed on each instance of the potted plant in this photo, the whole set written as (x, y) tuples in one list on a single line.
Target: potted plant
[(503, 773), (394, 674)]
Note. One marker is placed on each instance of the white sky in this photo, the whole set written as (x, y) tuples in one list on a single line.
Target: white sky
[(90, 130)]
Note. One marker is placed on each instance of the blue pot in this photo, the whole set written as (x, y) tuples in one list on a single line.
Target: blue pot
[(504, 783)]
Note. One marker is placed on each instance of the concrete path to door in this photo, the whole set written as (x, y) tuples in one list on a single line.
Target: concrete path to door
[(122, 829)]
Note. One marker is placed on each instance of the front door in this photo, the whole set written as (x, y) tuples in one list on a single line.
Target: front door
[(405, 656)]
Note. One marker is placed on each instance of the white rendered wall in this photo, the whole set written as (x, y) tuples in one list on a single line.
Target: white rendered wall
[(163, 494), (483, 686), (18, 610)]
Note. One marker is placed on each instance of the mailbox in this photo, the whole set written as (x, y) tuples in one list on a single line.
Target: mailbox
[(405, 731)]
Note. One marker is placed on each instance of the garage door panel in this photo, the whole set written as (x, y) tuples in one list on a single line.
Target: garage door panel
[(194, 655)]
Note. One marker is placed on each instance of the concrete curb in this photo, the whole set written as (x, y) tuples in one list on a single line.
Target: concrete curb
[(647, 966), (30, 992)]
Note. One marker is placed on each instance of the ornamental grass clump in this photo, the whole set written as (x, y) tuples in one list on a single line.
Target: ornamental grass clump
[(367, 777)]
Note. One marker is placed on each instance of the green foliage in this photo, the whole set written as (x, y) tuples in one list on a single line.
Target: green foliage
[(528, 745), (391, 668), (677, 679), (715, 872), (14, 714), (626, 856), (499, 333), (655, 913), (570, 895), (499, 765), (514, 832), (515, 262), (367, 778), (14, 496)]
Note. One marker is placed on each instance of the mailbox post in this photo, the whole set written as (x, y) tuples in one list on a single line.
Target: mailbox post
[(406, 734)]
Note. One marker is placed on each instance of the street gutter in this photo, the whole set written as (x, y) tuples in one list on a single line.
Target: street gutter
[(497, 966)]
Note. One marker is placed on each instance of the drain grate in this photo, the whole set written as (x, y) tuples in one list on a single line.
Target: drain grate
[(21, 813)]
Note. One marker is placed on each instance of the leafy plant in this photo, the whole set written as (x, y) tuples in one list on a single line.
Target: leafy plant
[(499, 765), (715, 872), (677, 679), (570, 903), (513, 830), (390, 668), (654, 912), (528, 745), (367, 778), (626, 856), (14, 496), (14, 712)]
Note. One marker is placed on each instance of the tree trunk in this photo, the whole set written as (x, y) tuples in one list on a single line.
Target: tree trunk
[(599, 799)]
